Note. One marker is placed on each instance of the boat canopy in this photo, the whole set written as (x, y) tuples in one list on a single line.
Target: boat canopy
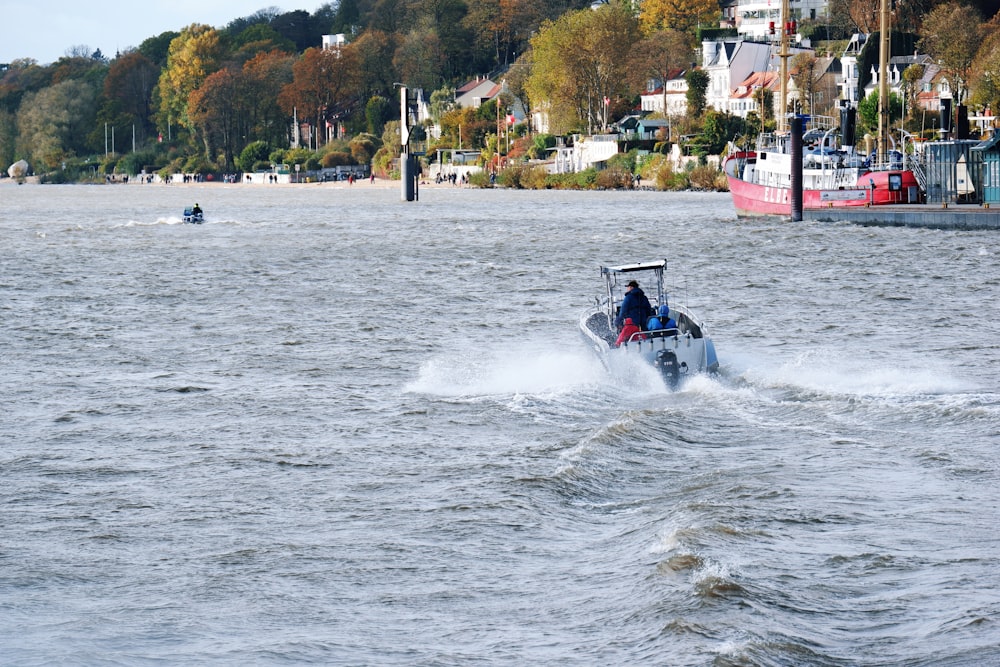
[(653, 291), (643, 266)]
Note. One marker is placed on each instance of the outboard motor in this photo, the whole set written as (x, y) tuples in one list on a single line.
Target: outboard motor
[(666, 361)]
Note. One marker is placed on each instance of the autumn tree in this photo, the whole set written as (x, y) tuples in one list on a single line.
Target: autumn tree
[(685, 16), (324, 88), (804, 77), (952, 34), (128, 93), (266, 75), (516, 79), (577, 63), (660, 57), (192, 56), (217, 109), (986, 80)]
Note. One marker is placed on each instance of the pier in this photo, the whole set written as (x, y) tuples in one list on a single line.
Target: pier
[(938, 216)]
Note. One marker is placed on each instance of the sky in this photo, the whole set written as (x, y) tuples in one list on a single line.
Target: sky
[(46, 29)]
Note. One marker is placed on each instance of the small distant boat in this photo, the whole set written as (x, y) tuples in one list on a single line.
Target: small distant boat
[(192, 217), (677, 352)]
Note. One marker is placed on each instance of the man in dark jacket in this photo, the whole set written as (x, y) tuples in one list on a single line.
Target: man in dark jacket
[(635, 305)]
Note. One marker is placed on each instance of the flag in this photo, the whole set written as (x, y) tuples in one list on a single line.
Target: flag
[(510, 119)]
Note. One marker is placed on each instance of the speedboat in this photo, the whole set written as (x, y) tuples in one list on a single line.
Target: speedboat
[(192, 217), (677, 352)]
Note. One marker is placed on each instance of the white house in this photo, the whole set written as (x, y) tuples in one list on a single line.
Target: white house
[(760, 19), (669, 99), (728, 62)]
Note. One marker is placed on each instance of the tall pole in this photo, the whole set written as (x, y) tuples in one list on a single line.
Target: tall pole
[(883, 82), (406, 167), (783, 55)]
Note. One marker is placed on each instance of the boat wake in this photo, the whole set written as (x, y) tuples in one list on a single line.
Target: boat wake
[(517, 369), (827, 371)]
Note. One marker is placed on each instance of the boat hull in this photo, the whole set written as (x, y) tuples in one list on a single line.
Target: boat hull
[(676, 356), (875, 188)]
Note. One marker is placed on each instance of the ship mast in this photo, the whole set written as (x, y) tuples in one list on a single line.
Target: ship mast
[(883, 82), (783, 54)]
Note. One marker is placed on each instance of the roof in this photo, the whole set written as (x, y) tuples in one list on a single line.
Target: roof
[(987, 144)]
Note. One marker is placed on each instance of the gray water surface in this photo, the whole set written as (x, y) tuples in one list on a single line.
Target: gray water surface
[(329, 426)]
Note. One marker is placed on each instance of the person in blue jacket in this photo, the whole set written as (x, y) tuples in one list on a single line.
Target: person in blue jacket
[(635, 305), (661, 321)]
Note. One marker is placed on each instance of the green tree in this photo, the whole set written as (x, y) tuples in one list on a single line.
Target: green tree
[(252, 153), (868, 111), (375, 51), (911, 81), (697, 81), (53, 123), (986, 81), (377, 112)]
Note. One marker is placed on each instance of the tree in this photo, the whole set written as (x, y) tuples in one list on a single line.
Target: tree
[(378, 111), (577, 64), (685, 16), (911, 81), (252, 153), (952, 34), (217, 110), (868, 111), (420, 60), (986, 81), (128, 92), (697, 81), (660, 56), (259, 38), (53, 123), (804, 77), (265, 75), (374, 51), (192, 56), (324, 87)]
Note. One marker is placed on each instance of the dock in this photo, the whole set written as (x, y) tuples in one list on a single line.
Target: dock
[(937, 216)]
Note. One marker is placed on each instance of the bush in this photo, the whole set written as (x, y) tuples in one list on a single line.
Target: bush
[(254, 152), (668, 179), (134, 163), (336, 159), (479, 179), (312, 164), (613, 178), (198, 165), (363, 147), (703, 178)]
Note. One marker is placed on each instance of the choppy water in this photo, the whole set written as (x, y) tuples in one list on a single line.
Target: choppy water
[(330, 426)]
